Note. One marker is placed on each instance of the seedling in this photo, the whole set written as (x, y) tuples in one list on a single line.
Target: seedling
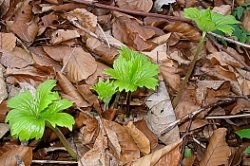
[(130, 71), (207, 21), (30, 114), (244, 133)]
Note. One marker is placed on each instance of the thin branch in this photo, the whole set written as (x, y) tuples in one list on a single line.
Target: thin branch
[(103, 33), (133, 12), (54, 162), (229, 116)]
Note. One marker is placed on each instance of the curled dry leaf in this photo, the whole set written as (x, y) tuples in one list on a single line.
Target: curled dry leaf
[(129, 150), (161, 114), (61, 35), (130, 32), (24, 24), (140, 139), (218, 152), (141, 5), (11, 157), (18, 58), (171, 153), (105, 54), (84, 18), (7, 42), (79, 65), (187, 31), (70, 91)]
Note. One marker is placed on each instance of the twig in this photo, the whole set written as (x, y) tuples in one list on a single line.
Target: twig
[(230, 40), (185, 118), (133, 12), (53, 162), (228, 116), (105, 36), (199, 143), (64, 65)]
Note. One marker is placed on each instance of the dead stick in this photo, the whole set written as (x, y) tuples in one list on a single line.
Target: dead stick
[(133, 12)]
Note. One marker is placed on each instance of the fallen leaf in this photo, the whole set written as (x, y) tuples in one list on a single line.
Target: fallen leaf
[(161, 39), (11, 157), (246, 21), (141, 5), (4, 128), (158, 54), (218, 151), (61, 35), (7, 42), (18, 58), (241, 106), (161, 114), (3, 111), (140, 139), (154, 157), (158, 4), (3, 88), (223, 9)]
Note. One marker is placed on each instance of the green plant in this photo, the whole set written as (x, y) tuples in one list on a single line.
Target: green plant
[(187, 152), (244, 133), (207, 21), (238, 11), (130, 71), (30, 114)]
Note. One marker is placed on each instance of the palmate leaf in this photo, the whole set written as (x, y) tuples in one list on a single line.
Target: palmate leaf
[(210, 21), (29, 115), (244, 133), (132, 70)]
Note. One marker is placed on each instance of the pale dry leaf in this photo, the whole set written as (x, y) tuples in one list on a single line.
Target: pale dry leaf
[(161, 114), (7, 42), (241, 106), (84, 18), (246, 21), (129, 150), (154, 157), (158, 4), (110, 39), (61, 35), (245, 87), (4, 128), (91, 80), (24, 25), (178, 57), (70, 91), (140, 5), (18, 58), (158, 54), (4, 7), (10, 157), (223, 9), (218, 152), (161, 39), (140, 139), (187, 31), (3, 88)]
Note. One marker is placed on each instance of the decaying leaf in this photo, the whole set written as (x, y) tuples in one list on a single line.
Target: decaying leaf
[(7, 42), (141, 5), (218, 151), (62, 35), (4, 128), (161, 114), (3, 89), (246, 21), (140, 139), (15, 155)]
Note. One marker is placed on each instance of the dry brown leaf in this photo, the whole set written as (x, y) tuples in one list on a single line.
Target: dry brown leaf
[(18, 58), (218, 151), (61, 35), (246, 21), (140, 139), (11, 157), (49, 20), (161, 39), (24, 24), (196, 123), (84, 18), (223, 9), (141, 5), (245, 87), (3, 88), (129, 150), (4, 7), (142, 126), (3, 111), (154, 157), (108, 114), (130, 32), (4, 128), (241, 105), (7, 42), (79, 65), (105, 54), (187, 31), (97, 74), (86, 93), (70, 91), (158, 54)]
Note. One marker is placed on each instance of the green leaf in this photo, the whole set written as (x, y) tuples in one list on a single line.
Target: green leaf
[(244, 133), (44, 96), (132, 70), (105, 90), (210, 21), (187, 152), (28, 115), (247, 150), (238, 12)]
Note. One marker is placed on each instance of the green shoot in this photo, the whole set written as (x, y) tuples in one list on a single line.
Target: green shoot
[(105, 90), (244, 133), (30, 114), (132, 70), (187, 152), (207, 21)]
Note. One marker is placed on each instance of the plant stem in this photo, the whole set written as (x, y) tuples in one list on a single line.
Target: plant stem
[(128, 98), (190, 70), (63, 140)]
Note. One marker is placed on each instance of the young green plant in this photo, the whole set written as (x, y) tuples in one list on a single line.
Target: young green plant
[(207, 21), (30, 114), (244, 133), (130, 71)]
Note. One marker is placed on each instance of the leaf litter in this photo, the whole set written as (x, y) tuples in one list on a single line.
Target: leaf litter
[(74, 42)]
